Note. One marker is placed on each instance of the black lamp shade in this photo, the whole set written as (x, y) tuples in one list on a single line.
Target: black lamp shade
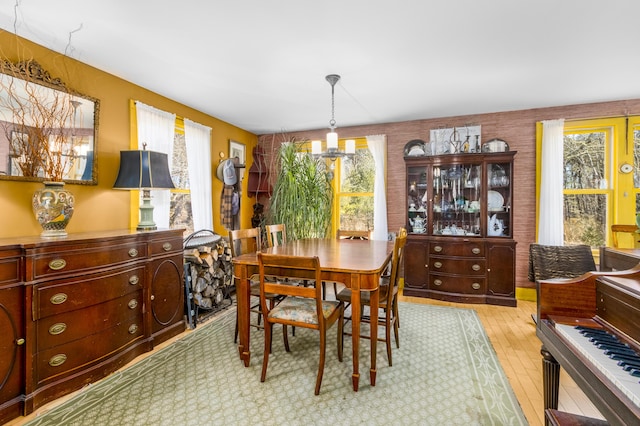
[(143, 169)]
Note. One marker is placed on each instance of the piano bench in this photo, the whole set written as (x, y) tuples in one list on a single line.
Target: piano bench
[(560, 418)]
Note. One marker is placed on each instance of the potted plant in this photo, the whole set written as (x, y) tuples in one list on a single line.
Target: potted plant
[(302, 194)]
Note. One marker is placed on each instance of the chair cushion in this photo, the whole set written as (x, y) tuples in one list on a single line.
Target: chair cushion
[(302, 310)]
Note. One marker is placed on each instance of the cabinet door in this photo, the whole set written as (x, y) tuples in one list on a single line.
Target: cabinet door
[(12, 350), (415, 265), (501, 273), (167, 297)]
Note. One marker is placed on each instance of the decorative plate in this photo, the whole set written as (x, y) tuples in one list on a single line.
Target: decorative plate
[(495, 145), (415, 148), (495, 201)]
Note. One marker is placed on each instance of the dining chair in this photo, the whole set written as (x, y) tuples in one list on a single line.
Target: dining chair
[(353, 235), (389, 288), (628, 232), (301, 307), (248, 241), (276, 234)]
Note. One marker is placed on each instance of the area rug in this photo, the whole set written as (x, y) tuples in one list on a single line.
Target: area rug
[(445, 373)]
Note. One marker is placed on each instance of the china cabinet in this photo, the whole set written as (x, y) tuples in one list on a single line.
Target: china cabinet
[(460, 244)]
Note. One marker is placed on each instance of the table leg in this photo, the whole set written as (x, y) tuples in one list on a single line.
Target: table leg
[(243, 298), (355, 332), (374, 303)]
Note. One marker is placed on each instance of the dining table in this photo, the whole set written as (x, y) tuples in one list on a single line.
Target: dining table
[(358, 264)]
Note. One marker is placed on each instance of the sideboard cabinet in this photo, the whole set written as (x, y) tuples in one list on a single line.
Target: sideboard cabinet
[(459, 214), (74, 310)]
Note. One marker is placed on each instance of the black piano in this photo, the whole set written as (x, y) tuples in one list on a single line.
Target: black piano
[(590, 326)]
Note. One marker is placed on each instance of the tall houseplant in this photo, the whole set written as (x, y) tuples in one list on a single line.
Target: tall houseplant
[(302, 194)]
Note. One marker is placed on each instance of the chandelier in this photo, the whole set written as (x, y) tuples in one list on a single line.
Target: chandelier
[(332, 151)]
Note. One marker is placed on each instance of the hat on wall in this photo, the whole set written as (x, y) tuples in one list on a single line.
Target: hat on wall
[(226, 172)]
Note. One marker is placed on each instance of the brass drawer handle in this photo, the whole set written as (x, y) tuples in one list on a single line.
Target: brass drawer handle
[(57, 360), (475, 286), (437, 264), (437, 249), (20, 341), (133, 303), (58, 298), (437, 282), (57, 328), (475, 250), (133, 328), (167, 246), (133, 280), (133, 252), (475, 267), (57, 264)]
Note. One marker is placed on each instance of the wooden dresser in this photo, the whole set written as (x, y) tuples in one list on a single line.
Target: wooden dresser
[(74, 310)]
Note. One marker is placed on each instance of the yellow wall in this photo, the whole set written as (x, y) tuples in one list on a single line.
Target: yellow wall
[(101, 207)]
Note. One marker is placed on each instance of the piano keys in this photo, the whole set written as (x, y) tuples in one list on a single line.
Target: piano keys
[(568, 313)]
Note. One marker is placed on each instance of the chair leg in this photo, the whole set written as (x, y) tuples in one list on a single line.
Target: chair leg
[(387, 331), (285, 336), (323, 347), (340, 334), (268, 328), (235, 338)]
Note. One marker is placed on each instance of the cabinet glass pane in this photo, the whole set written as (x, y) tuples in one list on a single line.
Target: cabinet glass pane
[(498, 199), (456, 199)]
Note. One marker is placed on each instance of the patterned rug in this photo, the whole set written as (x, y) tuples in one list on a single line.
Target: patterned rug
[(445, 373)]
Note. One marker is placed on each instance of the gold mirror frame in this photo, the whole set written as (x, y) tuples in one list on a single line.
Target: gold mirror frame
[(69, 120)]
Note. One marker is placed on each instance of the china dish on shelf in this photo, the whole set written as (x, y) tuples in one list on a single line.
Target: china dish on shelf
[(495, 201), (495, 145), (415, 148)]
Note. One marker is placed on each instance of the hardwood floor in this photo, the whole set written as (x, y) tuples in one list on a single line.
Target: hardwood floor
[(513, 336)]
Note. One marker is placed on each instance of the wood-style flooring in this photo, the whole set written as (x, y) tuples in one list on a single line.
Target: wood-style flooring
[(513, 336)]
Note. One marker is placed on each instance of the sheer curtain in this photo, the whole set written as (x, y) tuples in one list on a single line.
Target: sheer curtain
[(378, 147), (198, 140), (551, 226), (156, 129)]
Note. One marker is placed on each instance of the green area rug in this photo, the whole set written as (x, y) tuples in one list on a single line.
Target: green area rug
[(445, 373)]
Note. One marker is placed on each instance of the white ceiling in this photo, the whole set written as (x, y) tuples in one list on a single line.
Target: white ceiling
[(261, 64)]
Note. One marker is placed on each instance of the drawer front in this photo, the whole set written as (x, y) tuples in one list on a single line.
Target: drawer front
[(465, 249), (86, 258), (464, 285), (78, 354), (458, 266), (61, 296), (9, 270), (63, 328), (160, 247)]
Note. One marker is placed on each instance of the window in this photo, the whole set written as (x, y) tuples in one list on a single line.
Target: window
[(180, 215)]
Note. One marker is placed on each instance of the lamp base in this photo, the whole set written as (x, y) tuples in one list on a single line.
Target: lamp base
[(146, 213)]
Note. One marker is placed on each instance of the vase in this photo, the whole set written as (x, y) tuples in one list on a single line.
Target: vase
[(53, 208)]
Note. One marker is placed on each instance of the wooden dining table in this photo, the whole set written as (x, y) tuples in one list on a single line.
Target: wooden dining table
[(358, 264)]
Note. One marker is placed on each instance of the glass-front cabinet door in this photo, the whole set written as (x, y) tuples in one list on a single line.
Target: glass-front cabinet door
[(499, 199), (455, 207)]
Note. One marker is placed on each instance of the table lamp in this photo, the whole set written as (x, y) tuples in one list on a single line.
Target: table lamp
[(144, 170)]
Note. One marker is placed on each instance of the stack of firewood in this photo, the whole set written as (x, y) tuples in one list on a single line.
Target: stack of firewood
[(211, 274)]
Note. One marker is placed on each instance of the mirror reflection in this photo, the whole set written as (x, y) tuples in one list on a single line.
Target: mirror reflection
[(47, 131)]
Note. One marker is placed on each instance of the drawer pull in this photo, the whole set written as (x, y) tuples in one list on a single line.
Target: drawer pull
[(475, 250), (57, 328), (133, 328), (58, 298), (133, 303), (57, 264), (437, 264), (133, 279), (475, 267), (437, 249), (133, 252), (57, 360), (167, 246), (20, 341), (475, 286), (437, 282)]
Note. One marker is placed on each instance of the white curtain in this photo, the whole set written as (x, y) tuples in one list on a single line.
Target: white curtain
[(156, 129), (551, 225), (198, 141), (378, 147)]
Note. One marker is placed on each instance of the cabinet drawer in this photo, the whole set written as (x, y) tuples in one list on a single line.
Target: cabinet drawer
[(60, 296), (59, 329), (466, 248), (9, 269), (457, 266), (449, 284), (161, 247), (85, 258), (79, 353)]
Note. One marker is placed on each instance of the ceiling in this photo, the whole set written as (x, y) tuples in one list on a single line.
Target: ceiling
[(261, 65)]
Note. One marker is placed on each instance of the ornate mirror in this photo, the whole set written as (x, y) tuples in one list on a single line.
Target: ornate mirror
[(47, 131)]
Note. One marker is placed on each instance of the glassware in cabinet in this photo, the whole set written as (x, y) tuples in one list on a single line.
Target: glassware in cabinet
[(499, 199), (457, 191)]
